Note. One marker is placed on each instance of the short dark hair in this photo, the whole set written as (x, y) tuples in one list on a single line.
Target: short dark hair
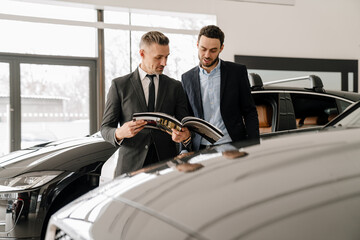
[(154, 37), (212, 31)]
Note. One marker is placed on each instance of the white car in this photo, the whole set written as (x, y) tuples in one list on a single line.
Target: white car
[(303, 186)]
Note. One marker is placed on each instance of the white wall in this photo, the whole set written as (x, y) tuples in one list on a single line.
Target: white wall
[(309, 29)]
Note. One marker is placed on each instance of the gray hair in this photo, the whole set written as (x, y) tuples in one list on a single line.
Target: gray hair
[(154, 37)]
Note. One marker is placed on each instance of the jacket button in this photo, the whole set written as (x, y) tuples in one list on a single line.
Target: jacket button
[(146, 147)]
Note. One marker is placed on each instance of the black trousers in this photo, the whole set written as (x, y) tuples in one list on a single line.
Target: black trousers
[(204, 147), (151, 156)]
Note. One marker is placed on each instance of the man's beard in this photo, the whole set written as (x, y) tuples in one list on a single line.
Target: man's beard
[(210, 64), (159, 71)]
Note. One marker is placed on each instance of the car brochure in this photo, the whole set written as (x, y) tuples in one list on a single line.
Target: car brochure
[(165, 122)]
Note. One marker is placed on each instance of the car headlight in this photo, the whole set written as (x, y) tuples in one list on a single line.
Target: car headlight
[(27, 181)]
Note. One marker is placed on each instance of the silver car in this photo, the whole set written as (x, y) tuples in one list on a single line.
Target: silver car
[(303, 186)]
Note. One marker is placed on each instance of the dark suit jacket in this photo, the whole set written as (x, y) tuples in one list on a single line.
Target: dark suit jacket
[(237, 106), (125, 97)]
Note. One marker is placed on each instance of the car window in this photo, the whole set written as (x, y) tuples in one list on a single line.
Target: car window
[(313, 109), (266, 106), (343, 105)]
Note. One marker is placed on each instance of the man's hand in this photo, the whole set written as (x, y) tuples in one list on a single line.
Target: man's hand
[(180, 136), (129, 129)]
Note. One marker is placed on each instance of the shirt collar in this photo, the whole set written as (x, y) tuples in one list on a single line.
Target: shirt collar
[(143, 74), (203, 71)]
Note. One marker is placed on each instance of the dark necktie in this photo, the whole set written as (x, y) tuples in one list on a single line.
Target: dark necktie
[(151, 102)]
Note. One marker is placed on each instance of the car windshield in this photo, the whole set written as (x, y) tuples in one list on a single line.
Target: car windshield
[(351, 120)]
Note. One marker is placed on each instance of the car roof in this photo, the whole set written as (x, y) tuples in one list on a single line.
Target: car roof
[(347, 96), (315, 87), (291, 187)]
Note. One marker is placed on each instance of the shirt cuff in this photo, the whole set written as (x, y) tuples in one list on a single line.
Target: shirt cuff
[(116, 141), (184, 151), (187, 142)]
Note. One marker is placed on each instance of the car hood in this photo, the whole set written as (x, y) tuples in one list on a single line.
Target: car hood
[(292, 187), (63, 155)]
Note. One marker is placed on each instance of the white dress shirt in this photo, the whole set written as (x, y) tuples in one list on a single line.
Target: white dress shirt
[(145, 81)]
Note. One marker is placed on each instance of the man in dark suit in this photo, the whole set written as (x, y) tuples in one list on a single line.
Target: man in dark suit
[(145, 89), (219, 92)]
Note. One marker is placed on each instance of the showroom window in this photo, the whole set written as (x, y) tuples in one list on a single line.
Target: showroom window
[(171, 20), (45, 98), (54, 102), (50, 63), (124, 28), (35, 28), (4, 107)]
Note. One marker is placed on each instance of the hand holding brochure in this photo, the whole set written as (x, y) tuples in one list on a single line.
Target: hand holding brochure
[(165, 122)]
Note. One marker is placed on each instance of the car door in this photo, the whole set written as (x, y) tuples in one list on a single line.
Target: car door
[(272, 110), (314, 109), (286, 113)]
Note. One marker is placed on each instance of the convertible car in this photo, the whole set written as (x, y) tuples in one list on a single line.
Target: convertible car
[(281, 107)]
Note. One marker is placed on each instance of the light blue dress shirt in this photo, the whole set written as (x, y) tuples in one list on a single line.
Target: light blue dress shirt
[(210, 93)]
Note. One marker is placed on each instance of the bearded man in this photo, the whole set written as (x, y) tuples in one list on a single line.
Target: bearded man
[(219, 92)]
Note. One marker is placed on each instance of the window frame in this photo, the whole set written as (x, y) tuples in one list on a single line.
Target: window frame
[(97, 78), (15, 60)]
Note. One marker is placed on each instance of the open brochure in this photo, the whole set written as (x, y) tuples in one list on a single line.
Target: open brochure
[(165, 122)]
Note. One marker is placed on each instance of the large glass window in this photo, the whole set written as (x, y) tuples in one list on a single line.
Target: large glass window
[(39, 10), (4, 80), (56, 99), (54, 102), (117, 54), (41, 37), (171, 20), (4, 108), (117, 17), (135, 56), (123, 49), (47, 39), (183, 54)]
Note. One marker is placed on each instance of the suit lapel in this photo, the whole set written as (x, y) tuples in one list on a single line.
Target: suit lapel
[(138, 89), (196, 92), (223, 76), (162, 90)]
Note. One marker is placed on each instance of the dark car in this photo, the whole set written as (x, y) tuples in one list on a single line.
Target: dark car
[(282, 108), (21, 206), (295, 186), (37, 181)]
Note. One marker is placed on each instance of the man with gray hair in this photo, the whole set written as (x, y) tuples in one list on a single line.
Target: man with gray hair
[(146, 89)]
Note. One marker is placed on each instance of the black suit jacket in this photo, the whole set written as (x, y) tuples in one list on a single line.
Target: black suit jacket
[(237, 106), (125, 97)]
